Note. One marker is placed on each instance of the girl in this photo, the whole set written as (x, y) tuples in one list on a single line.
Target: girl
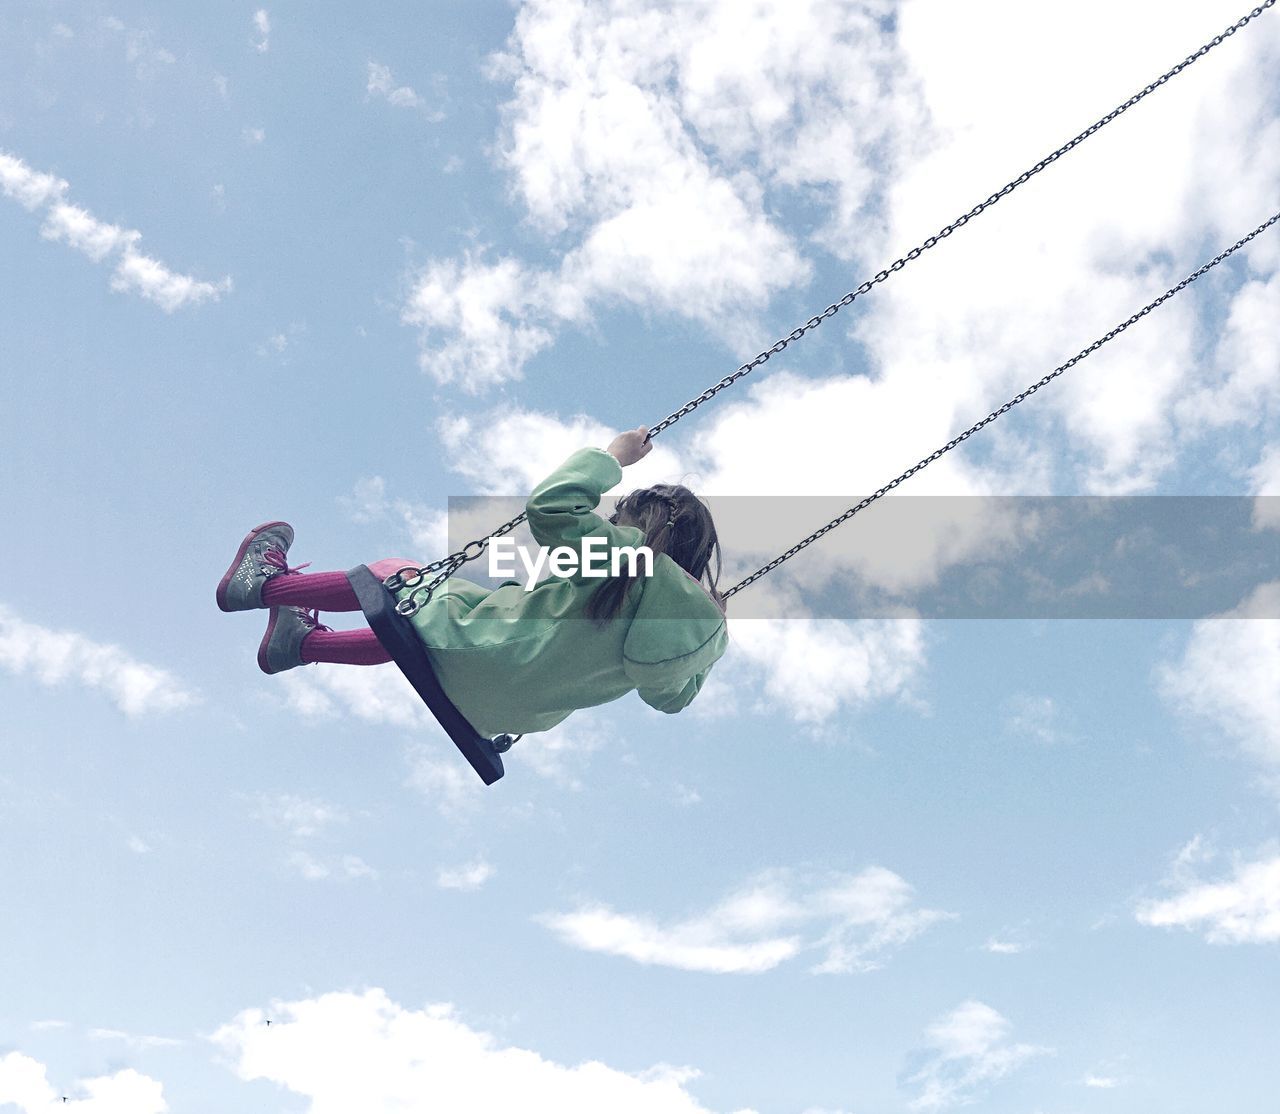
[(516, 661)]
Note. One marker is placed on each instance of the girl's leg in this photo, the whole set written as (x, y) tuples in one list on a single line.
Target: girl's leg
[(295, 637), (322, 591), (345, 647)]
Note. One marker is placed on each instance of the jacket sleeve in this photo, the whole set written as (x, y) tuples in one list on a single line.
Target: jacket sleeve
[(674, 698), (562, 509)]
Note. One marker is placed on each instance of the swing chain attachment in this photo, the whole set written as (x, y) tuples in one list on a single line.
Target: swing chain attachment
[(960, 221), (412, 576), (959, 438)]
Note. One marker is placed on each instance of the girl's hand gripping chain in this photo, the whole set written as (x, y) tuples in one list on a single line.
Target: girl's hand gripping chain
[(631, 446)]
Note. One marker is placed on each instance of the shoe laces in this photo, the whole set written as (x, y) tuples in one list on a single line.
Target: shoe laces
[(312, 619), (277, 565)]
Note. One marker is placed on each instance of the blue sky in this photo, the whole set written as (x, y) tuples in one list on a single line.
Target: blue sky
[(337, 266)]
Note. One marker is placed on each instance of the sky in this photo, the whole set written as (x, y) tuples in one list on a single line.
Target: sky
[(339, 264)]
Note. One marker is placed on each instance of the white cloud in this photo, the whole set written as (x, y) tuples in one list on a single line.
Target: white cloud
[(141, 1042), (382, 84), (1266, 481), (29, 188), (138, 845), (254, 137), (1227, 676), (469, 876), (300, 816), (812, 669), (426, 528), (375, 694), (560, 754), (1010, 941), (651, 134), (262, 31), (346, 1051), (1245, 388), (443, 777), (510, 450), (81, 230), (1035, 719), (967, 1050), (54, 657), (24, 1083), (70, 224), (487, 318), (1102, 1082), (140, 49), (1241, 908), (140, 274), (850, 921), (316, 869)]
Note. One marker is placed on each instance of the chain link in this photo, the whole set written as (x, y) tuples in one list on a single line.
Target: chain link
[(411, 576), (1081, 355), (960, 221)]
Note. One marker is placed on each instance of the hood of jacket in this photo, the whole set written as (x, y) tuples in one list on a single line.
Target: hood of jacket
[(678, 629)]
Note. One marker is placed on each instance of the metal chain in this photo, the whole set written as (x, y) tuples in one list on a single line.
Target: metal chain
[(1082, 354), (411, 576), (915, 253)]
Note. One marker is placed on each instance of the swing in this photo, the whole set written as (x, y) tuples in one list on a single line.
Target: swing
[(390, 621), (399, 639)]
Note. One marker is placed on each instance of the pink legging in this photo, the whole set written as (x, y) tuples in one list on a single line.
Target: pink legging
[(331, 591)]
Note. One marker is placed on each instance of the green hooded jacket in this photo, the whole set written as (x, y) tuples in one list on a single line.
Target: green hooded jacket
[(521, 661)]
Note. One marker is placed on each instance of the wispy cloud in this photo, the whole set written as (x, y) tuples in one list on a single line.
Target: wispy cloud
[(316, 868), (1266, 481), (1036, 719), (1227, 677), (138, 1041), (55, 657), (377, 694), (429, 1059), (848, 922), (966, 1050), (261, 31), (381, 83), (1242, 907), (469, 876), (134, 272), (301, 817)]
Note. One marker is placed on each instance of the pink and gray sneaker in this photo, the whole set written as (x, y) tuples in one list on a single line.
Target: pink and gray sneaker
[(260, 557), (281, 646)]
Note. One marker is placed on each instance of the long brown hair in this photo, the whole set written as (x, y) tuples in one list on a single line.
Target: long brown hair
[(675, 522)]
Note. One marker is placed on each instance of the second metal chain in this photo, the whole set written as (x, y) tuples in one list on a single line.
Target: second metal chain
[(1082, 354)]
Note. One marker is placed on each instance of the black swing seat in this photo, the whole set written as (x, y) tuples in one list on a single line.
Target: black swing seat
[(399, 639)]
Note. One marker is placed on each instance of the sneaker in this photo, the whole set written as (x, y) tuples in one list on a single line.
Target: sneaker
[(281, 646), (261, 556)]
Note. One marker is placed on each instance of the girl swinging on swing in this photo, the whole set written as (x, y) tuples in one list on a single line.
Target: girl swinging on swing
[(516, 661)]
